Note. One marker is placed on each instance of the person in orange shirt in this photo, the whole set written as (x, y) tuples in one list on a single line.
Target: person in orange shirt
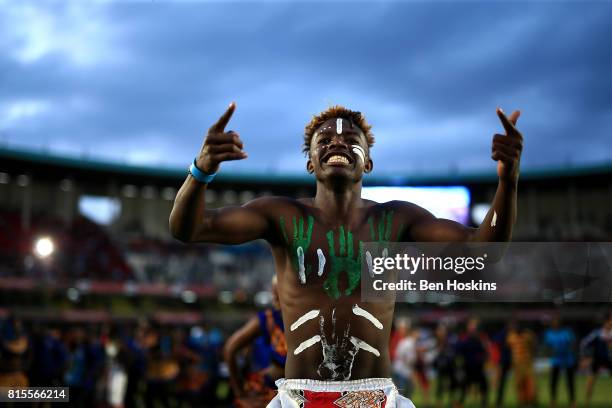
[(258, 388), (522, 343)]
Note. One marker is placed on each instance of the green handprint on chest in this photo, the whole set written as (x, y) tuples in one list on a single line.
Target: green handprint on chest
[(344, 260), (299, 244)]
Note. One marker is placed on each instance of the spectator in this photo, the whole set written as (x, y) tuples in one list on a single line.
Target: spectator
[(561, 342), (472, 350), (522, 345), (599, 344)]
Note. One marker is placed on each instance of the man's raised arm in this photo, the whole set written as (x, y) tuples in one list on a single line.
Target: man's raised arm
[(190, 221), (498, 223)]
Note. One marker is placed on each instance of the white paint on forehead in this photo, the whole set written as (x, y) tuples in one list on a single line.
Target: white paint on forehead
[(364, 346), (494, 219), (307, 343), (304, 318), (364, 313), (358, 150), (339, 126)]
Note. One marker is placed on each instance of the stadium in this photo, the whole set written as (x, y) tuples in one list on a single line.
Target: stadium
[(86, 251), (405, 204)]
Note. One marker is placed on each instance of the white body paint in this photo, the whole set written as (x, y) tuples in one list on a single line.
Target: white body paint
[(364, 313), (307, 343), (494, 219), (339, 126), (364, 346), (321, 261), (358, 150), (303, 319), (369, 262), (301, 269)]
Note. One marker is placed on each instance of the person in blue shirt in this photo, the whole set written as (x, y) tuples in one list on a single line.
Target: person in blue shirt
[(561, 343)]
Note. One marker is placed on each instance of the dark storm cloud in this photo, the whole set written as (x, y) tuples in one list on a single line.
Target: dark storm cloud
[(147, 80)]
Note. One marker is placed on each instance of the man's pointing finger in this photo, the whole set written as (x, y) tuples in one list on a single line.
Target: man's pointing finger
[(225, 118), (508, 123)]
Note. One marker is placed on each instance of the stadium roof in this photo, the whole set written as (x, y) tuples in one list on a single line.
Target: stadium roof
[(43, 158)]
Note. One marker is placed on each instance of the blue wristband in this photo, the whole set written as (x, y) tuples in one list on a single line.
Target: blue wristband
[(199, 174)]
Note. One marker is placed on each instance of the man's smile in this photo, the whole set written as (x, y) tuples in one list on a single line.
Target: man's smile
[(337, 159)]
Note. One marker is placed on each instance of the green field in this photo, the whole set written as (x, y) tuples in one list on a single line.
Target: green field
[(602, 395)]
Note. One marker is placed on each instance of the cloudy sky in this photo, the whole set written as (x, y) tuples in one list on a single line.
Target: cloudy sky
[(140, 81)]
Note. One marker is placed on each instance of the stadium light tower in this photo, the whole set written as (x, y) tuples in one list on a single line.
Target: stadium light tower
[(44, 247)]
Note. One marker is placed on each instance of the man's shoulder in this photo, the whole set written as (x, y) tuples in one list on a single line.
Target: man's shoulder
[(406, 209), (399, 205), (274, 202)]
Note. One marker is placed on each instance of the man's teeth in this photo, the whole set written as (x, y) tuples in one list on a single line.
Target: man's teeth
[(338, 159)]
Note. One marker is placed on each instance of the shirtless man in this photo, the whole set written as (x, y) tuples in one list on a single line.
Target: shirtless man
[(337, 345)]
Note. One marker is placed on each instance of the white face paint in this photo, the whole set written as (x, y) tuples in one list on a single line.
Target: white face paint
[(364, 346), (324, 129), (494, 219), (339, 126), (364, 313), (301, 268), (321, 261), (307, 343), (358, 150), (303, 319)]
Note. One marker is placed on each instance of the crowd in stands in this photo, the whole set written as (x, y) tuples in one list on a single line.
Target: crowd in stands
[(85, 250)]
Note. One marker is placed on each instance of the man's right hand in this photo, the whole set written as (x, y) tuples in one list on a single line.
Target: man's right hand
[(219, 145)]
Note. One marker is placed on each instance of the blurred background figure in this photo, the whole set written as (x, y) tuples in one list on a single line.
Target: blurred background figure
[(15, 352), (253, 383), (49, 357), (504, 362), (405, 356), (522, 345), (472, 352), (598, 345), (192, 379), (447, 383), (162, 367), (83, 365), (561, 343), (425, 356), (115, 380)]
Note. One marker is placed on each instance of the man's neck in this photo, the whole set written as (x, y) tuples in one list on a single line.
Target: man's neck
[(338, 202)]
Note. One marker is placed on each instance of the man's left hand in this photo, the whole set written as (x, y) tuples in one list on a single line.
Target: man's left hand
[(507, 148)]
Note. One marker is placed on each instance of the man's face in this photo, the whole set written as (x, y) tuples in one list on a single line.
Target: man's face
[(338, 149)]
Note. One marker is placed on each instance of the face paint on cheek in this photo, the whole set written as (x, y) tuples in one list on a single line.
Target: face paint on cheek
[(358, 150), (339, 126)]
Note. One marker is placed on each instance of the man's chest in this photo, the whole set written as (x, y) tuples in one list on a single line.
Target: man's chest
[(334, 251)]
